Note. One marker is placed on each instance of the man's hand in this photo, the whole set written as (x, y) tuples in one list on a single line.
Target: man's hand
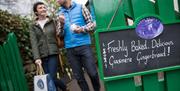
[(79, 29), (61, 18)]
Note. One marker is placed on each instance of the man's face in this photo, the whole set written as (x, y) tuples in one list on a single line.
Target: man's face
[(41, 10), (60, 2)]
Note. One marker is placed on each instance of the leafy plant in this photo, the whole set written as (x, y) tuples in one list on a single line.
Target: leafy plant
[(53, 7), (20, 26)]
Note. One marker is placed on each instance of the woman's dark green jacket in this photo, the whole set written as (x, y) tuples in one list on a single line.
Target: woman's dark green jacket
[(43, 41)]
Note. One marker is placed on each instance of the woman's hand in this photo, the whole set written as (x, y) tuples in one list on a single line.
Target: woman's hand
[(38, 62)]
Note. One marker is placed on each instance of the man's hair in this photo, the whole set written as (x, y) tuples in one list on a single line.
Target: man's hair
[(35, 6)]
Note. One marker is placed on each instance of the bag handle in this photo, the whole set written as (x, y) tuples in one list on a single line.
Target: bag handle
[(39, 70), (60, 41), (61, 61), (57, 26)]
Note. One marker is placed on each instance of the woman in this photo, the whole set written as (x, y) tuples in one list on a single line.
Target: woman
[(44, 44)]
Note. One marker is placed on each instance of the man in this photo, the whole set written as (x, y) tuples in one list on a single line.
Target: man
[(44, 44), (77, 25)]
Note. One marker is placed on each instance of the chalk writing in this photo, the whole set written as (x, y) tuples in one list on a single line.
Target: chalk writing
[(136, 47), (123, 52), (113, 61), (120, 47)]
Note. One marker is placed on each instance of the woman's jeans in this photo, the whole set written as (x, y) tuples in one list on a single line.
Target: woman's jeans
[(50, 65), (79, 57)]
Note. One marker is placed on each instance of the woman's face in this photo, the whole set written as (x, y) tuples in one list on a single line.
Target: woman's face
[(41, 10)]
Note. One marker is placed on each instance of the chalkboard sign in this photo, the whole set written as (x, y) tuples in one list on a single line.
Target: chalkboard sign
[(124, 52)]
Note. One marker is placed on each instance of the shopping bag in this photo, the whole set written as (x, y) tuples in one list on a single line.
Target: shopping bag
[(43, 82)]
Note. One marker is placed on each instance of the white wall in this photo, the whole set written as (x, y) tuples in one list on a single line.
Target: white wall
[(24, 7)]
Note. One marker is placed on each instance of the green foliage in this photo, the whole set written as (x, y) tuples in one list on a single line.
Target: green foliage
[(18, 25), (53, 7)]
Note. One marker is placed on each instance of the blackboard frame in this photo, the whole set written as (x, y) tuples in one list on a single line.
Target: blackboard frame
[(100, 62)]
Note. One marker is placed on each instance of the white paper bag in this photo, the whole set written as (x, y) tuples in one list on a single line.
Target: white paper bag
[(43, 82)]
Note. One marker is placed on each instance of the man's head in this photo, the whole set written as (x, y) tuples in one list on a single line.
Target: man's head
[(62, 2), (39, 9)]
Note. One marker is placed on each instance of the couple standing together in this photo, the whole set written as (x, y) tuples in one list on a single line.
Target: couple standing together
[(76, 23)]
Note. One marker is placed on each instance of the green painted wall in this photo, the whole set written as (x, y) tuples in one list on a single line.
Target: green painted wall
[(133, 9)]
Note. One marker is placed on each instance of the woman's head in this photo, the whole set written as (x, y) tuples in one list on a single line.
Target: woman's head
[(40, 9)]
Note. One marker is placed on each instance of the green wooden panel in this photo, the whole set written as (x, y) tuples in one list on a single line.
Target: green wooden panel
[(120, 85), (165, 9), (100, 66), (151, 83), (141, 7), (1, 76), (12, 67), (19, 76), (173, 80), (18, 60), (3, 84), (8, 57), (162, 86), (105, 9), (179, 4), (178, 13), (127, 7), (139, 88), (15, 63), (6, 76)]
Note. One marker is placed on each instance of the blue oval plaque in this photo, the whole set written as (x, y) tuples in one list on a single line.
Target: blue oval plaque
[(149, 28)]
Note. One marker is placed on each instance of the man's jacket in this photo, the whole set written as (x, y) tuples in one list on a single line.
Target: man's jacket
[(74, 15)]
